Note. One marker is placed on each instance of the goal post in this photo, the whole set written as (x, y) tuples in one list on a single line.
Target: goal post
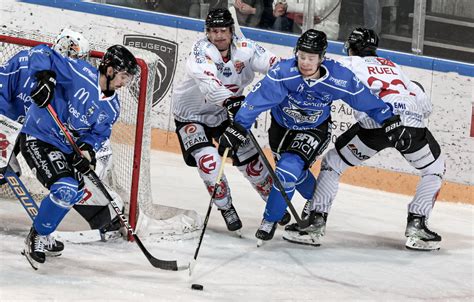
[(130, 141)]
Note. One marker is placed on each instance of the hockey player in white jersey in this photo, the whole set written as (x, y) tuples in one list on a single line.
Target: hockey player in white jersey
[(366, 138), (220, 66)]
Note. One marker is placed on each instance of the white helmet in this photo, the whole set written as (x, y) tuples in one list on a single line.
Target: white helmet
[(71, 44)]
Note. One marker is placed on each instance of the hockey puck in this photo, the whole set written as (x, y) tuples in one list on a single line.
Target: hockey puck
[(197, 286)]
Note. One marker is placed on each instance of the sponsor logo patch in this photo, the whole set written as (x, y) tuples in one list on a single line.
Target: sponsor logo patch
[(167, 52)]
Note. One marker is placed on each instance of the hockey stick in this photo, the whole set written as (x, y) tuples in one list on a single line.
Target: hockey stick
[(171, 265), (301, 223), (22, 193), (31, 207), (216, 185)]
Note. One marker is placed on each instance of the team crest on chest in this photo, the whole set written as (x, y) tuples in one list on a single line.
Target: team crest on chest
[(220, 66), (238, 65), (227, 72), (326, 97), (301, 115)]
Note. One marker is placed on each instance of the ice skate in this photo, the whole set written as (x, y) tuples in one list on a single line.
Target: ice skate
[(309, 236), (419, 236), (232, 220), (34, 249), (265, 232), (53, 248), (113, 230)]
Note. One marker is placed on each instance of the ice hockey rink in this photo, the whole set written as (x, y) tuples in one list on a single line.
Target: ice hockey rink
[(362, 257)]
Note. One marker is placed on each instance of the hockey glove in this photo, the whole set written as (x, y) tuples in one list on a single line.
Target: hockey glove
[(232, 105), (86, 162), (232, 138), (396, 133), (43, 93)]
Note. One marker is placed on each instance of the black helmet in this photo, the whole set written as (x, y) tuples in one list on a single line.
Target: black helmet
[(312, 41), (361, 39), (120, 58), (219, 17)]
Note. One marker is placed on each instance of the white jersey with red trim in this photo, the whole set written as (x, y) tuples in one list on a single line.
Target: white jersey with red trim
[(386, 80), (209, 79)]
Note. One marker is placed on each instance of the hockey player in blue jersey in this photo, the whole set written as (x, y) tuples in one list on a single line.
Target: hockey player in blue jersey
[(85, 101), (299, 92), (387, 80), (16, 85)]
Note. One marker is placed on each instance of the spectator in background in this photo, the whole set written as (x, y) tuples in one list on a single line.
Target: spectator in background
[(249, 12), (282, 22), (267, 19), (373, 15), (326, 16)]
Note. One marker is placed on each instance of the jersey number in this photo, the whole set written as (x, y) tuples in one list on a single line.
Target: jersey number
[(255, 88), (385, 86)]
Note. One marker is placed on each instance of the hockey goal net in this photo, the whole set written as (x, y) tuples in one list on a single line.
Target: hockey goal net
[(129, 175)]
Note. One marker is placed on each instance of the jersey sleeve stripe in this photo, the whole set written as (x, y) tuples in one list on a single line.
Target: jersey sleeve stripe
[(346, 91), (13, 72), (283, 79), (81, 75)]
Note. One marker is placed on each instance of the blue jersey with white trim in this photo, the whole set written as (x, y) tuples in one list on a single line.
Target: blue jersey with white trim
[(301, 103), (78, 102), (15, 86)]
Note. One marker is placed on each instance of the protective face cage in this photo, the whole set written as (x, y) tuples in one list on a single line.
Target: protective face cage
[(71, 44)]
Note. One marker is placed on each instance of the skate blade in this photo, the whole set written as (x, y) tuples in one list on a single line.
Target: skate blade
[(238, 233), (311, 240), (53, 254), (417, 244), (35, 265)]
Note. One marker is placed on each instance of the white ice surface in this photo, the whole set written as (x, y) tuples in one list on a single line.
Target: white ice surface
[(362, 257)]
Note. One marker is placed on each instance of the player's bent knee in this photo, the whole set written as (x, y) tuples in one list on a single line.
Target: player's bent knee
[(332, 161), (436, 168), (288, 170), (65, 192), (208, 163)]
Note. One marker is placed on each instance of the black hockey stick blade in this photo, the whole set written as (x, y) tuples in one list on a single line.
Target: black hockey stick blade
[(169, 265)]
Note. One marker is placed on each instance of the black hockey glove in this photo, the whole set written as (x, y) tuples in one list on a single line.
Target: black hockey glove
[(232, 138), (232, 105), (43, 93), (396, 133), (86, 162)]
